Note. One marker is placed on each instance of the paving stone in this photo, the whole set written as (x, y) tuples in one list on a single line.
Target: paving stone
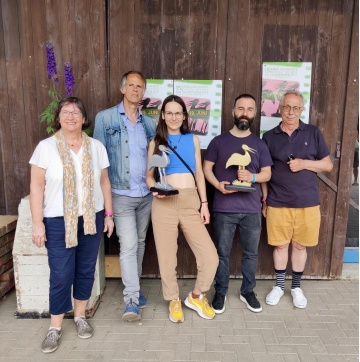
[(205, 356), (261, 357), (269, 336), (316, 345), (197, 343), (257, 344), (327, 330)]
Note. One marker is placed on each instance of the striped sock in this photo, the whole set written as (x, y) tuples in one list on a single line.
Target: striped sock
[(296, 279), (280, 278)]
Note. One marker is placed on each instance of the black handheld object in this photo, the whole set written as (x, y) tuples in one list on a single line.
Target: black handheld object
[(291, 157), (165, 192)]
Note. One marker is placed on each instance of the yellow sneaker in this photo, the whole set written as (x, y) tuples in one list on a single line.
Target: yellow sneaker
[(176, 314), (200, 305)]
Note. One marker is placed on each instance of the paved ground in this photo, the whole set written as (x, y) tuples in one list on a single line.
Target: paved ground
[(327, 330)]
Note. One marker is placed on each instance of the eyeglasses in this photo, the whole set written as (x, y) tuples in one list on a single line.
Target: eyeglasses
[(178, 115), (295, 109), (75, 114)]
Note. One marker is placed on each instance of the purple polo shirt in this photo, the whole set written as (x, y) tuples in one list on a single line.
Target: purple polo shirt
[(294, 189), (138, 156), (219, 151)]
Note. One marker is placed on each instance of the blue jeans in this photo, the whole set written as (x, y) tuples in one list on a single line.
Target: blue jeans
[(71, 267), (224, 229), (131, 217)]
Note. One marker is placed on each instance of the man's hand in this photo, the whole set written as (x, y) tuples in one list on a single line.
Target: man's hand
[(221, 187), (297, 165), (264, 209), (244, 175)]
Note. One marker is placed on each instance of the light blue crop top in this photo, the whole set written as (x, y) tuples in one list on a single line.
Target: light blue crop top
[(185, 147)]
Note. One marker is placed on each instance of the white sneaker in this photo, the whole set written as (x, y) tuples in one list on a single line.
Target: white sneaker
[(299, 299), (274, 296)]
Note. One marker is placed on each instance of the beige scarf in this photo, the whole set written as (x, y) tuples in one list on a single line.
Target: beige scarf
[(71, 206)]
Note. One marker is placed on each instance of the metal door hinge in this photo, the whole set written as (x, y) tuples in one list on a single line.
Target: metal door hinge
[(338, 153)]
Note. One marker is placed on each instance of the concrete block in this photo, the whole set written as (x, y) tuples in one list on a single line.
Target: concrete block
[(32, 271)]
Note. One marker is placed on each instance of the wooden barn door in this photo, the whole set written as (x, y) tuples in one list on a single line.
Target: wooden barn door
[(229, 40), (165, 40)]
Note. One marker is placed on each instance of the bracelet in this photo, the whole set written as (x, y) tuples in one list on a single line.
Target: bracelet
[(263, 199), (108, 213), (253, 178), (204, 202)]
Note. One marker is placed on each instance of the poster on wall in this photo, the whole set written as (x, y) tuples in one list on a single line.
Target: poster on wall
[(278, 78), (156, 91), (203, 100)]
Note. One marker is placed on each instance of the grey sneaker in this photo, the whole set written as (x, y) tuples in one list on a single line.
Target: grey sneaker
[(84, 329), (51, 341)]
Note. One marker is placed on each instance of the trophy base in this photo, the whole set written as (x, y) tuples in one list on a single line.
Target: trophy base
[(240, 188), (164, 191)]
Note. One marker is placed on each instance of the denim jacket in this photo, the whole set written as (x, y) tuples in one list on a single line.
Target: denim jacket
[(111, 131)]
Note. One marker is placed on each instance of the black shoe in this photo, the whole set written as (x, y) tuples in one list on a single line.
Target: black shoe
[(251, 301), (218, 303)]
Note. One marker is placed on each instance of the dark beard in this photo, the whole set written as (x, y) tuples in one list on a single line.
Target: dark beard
[(243, 125)]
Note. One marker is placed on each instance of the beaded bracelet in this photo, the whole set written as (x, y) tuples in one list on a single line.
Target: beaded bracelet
[(263, 199)]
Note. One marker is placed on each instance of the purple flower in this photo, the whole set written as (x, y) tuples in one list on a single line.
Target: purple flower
[(69, 79), (51, 62)]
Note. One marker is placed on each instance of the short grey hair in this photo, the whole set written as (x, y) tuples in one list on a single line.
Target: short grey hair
[(124, 78), (292, 92)]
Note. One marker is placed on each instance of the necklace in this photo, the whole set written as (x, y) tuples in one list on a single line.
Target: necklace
[(74, 142), (175, 147)]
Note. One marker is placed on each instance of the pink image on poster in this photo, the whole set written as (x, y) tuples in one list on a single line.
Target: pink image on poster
[(199, 114), (150, 106), (272, 90)]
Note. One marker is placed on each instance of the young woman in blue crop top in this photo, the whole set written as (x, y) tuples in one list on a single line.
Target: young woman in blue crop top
[(170, 212)]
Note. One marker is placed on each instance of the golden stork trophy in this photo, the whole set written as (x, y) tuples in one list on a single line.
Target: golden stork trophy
[(236, 159), (161, 162)]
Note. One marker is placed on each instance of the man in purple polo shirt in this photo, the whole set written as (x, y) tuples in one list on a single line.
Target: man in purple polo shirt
[(234, 209), (291, 200)]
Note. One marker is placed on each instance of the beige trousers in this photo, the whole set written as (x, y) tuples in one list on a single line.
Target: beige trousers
[(167, 215)]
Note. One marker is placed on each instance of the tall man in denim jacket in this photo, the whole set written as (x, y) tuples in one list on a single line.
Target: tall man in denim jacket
[(126, 133)]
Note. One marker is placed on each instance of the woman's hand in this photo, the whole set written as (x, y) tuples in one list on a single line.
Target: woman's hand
[(204, 213), (108, 225), (38, 234), (157, 195)]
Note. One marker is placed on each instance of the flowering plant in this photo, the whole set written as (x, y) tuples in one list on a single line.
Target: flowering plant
[(48, 114)]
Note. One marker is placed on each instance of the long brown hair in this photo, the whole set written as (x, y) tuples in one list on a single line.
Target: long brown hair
[(162, 133)]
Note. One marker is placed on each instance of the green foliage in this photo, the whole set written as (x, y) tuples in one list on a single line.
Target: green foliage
[(48, 115), (88, 131)]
